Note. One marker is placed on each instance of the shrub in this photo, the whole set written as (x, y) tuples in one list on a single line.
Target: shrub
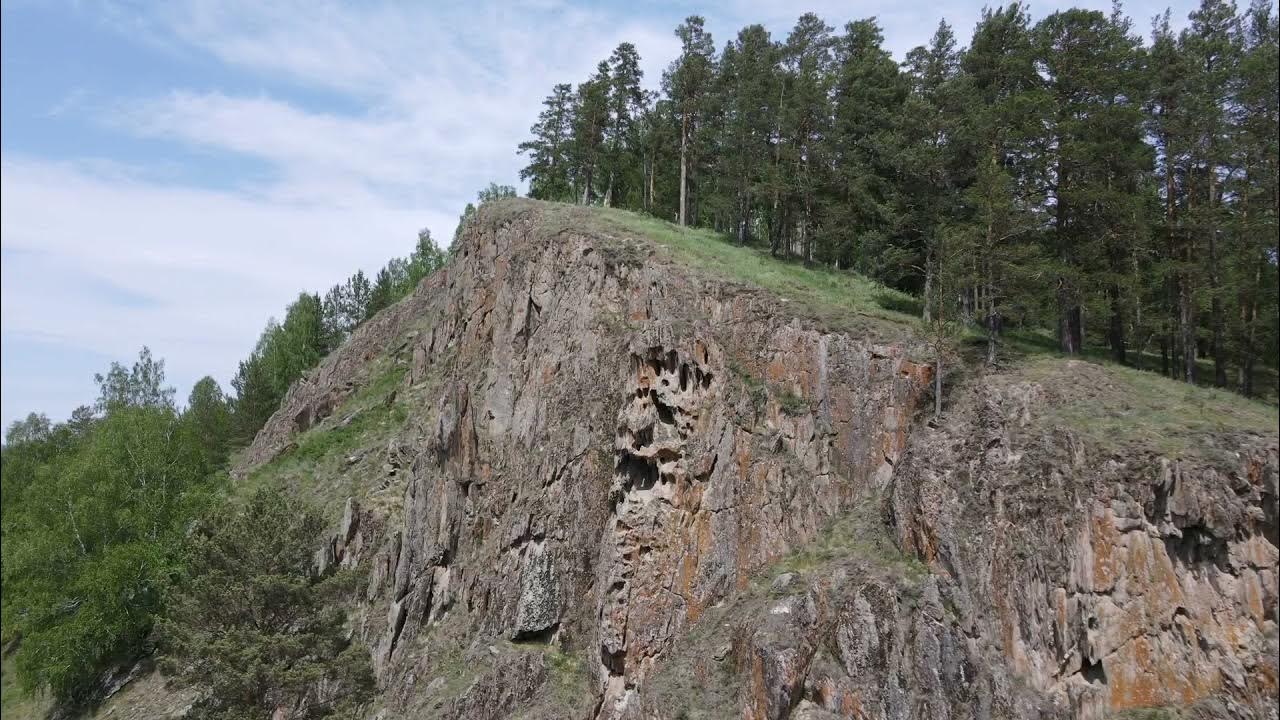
[(254, 629)]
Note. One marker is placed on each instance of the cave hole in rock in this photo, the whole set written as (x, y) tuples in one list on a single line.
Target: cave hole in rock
[(636, 474), (614, 662), (1198, 546), (643, 437), (545, 636), (665, 413), (1093, 671)]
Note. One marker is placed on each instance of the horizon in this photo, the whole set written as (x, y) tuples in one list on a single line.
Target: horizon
[(174, 176)]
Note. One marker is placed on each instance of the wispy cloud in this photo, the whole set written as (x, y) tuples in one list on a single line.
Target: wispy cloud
[(362, 122), (107, 264), (370, 122)]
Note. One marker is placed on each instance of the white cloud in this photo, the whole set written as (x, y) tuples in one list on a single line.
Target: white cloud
[(372, 119), (446, 93), (106, 264)]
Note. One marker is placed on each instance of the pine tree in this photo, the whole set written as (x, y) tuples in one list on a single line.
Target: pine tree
[(687, 83), (803, 154), (932, 166), (254, 629), (1169, 124), (1252, 269), (862, 216), (993, 255), (591, 118), (1211, 44), (626, 105), (1097, 158), (548, 171), (749, 83)]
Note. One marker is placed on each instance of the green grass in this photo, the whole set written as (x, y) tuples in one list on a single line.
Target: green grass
[(760, 391), (857, 534), (451, 664), (568, 681), (792, 404), (317, 468), (834, 297), (15, 703), (1022, 343), (1115, 406)]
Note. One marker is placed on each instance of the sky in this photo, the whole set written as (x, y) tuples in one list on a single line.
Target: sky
[(174, 173)]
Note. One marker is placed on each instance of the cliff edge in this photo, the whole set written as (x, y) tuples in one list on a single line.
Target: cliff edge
[(589, 474)]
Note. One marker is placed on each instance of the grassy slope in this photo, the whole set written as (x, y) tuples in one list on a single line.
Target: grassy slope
[(841, 299), (320, 469), (1119, 407), (1042, 342), (1138, 404), (16, 704)]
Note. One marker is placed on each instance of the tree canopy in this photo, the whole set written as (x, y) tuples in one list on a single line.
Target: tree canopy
[(1056, 174)]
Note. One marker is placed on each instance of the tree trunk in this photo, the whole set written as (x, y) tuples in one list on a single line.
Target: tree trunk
[(1066, 295), (937, 382), (1218, 344), (1115, 334), (806, 240), (1077, 326), (653, 171), (993, 329), (1216, 320), (928, 285), (1066, 329), (1186, 307), (684, 168), (1187, 325), (744, 213)]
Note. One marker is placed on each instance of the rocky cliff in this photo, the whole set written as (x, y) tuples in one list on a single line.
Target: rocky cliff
[(602, 484)]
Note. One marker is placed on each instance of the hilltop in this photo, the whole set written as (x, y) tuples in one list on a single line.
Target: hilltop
[(600, 466)]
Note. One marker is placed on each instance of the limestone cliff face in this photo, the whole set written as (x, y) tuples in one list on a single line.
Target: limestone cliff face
[(609, 460)]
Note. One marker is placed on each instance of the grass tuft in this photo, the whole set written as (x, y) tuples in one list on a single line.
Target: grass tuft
[(859, 533)]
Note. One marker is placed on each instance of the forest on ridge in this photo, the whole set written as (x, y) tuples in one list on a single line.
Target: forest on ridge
[(1061, 174), (1069, 180)]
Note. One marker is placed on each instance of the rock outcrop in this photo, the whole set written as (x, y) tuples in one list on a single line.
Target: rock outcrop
[(629, 489), (1107, 579)]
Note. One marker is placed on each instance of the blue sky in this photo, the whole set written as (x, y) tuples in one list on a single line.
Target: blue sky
[(174, 173)]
